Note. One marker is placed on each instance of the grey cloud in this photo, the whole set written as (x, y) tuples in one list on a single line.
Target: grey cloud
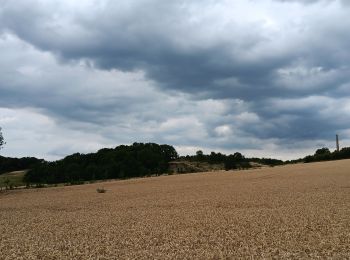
[(161, 39), (145, 36), (185, 50)]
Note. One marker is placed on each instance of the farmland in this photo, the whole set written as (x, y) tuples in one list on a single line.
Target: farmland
[(293, 211)]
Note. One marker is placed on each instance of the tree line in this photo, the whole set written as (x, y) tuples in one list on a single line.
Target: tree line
[(124, 161), (127, 161), (8, 164), (145, 159), (136, 160), (231, 161), (324, 154)]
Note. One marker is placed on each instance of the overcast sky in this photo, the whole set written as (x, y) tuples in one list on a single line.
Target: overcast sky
[(264, 77)]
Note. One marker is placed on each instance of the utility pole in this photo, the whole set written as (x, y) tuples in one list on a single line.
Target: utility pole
[(337, 142)]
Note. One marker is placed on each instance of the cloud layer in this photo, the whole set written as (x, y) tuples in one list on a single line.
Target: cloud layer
[(269, 78)]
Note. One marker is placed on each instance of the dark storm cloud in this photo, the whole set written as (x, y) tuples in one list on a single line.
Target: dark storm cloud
[(264, 53), (161, 39)]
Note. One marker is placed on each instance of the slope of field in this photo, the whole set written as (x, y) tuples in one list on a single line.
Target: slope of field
[(295, 211), (12, 178)]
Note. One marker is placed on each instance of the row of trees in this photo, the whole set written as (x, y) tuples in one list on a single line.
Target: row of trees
[(140, 160), (324, 154), (8, 164), (136, 160), (231, 161)]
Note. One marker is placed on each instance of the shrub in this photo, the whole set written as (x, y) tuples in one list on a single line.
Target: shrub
[(101, 190)]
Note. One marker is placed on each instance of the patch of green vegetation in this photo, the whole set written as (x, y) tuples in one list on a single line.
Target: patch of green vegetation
[(12, 179)]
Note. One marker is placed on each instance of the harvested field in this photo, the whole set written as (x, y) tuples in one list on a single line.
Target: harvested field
[(295, 211)]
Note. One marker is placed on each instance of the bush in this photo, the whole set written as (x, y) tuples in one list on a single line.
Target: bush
[(101, 190)]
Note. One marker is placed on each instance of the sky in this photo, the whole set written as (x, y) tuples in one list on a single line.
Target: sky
[(267, 78)]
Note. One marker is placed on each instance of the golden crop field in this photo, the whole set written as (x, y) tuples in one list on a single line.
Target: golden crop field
[(296, 211)]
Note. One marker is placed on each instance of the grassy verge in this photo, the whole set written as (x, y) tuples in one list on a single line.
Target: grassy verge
[(12, 179)]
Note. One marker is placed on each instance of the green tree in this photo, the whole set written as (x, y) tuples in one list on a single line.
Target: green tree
[(200, 156), (199, 153), (322, 151), (238, 156)]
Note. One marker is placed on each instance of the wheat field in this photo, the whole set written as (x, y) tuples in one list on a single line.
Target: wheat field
[(295, 211)]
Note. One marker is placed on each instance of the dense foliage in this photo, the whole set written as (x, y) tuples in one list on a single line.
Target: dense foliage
[(122, 162), (267, 161), (231, 161), (15, 164), (324, 154)]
